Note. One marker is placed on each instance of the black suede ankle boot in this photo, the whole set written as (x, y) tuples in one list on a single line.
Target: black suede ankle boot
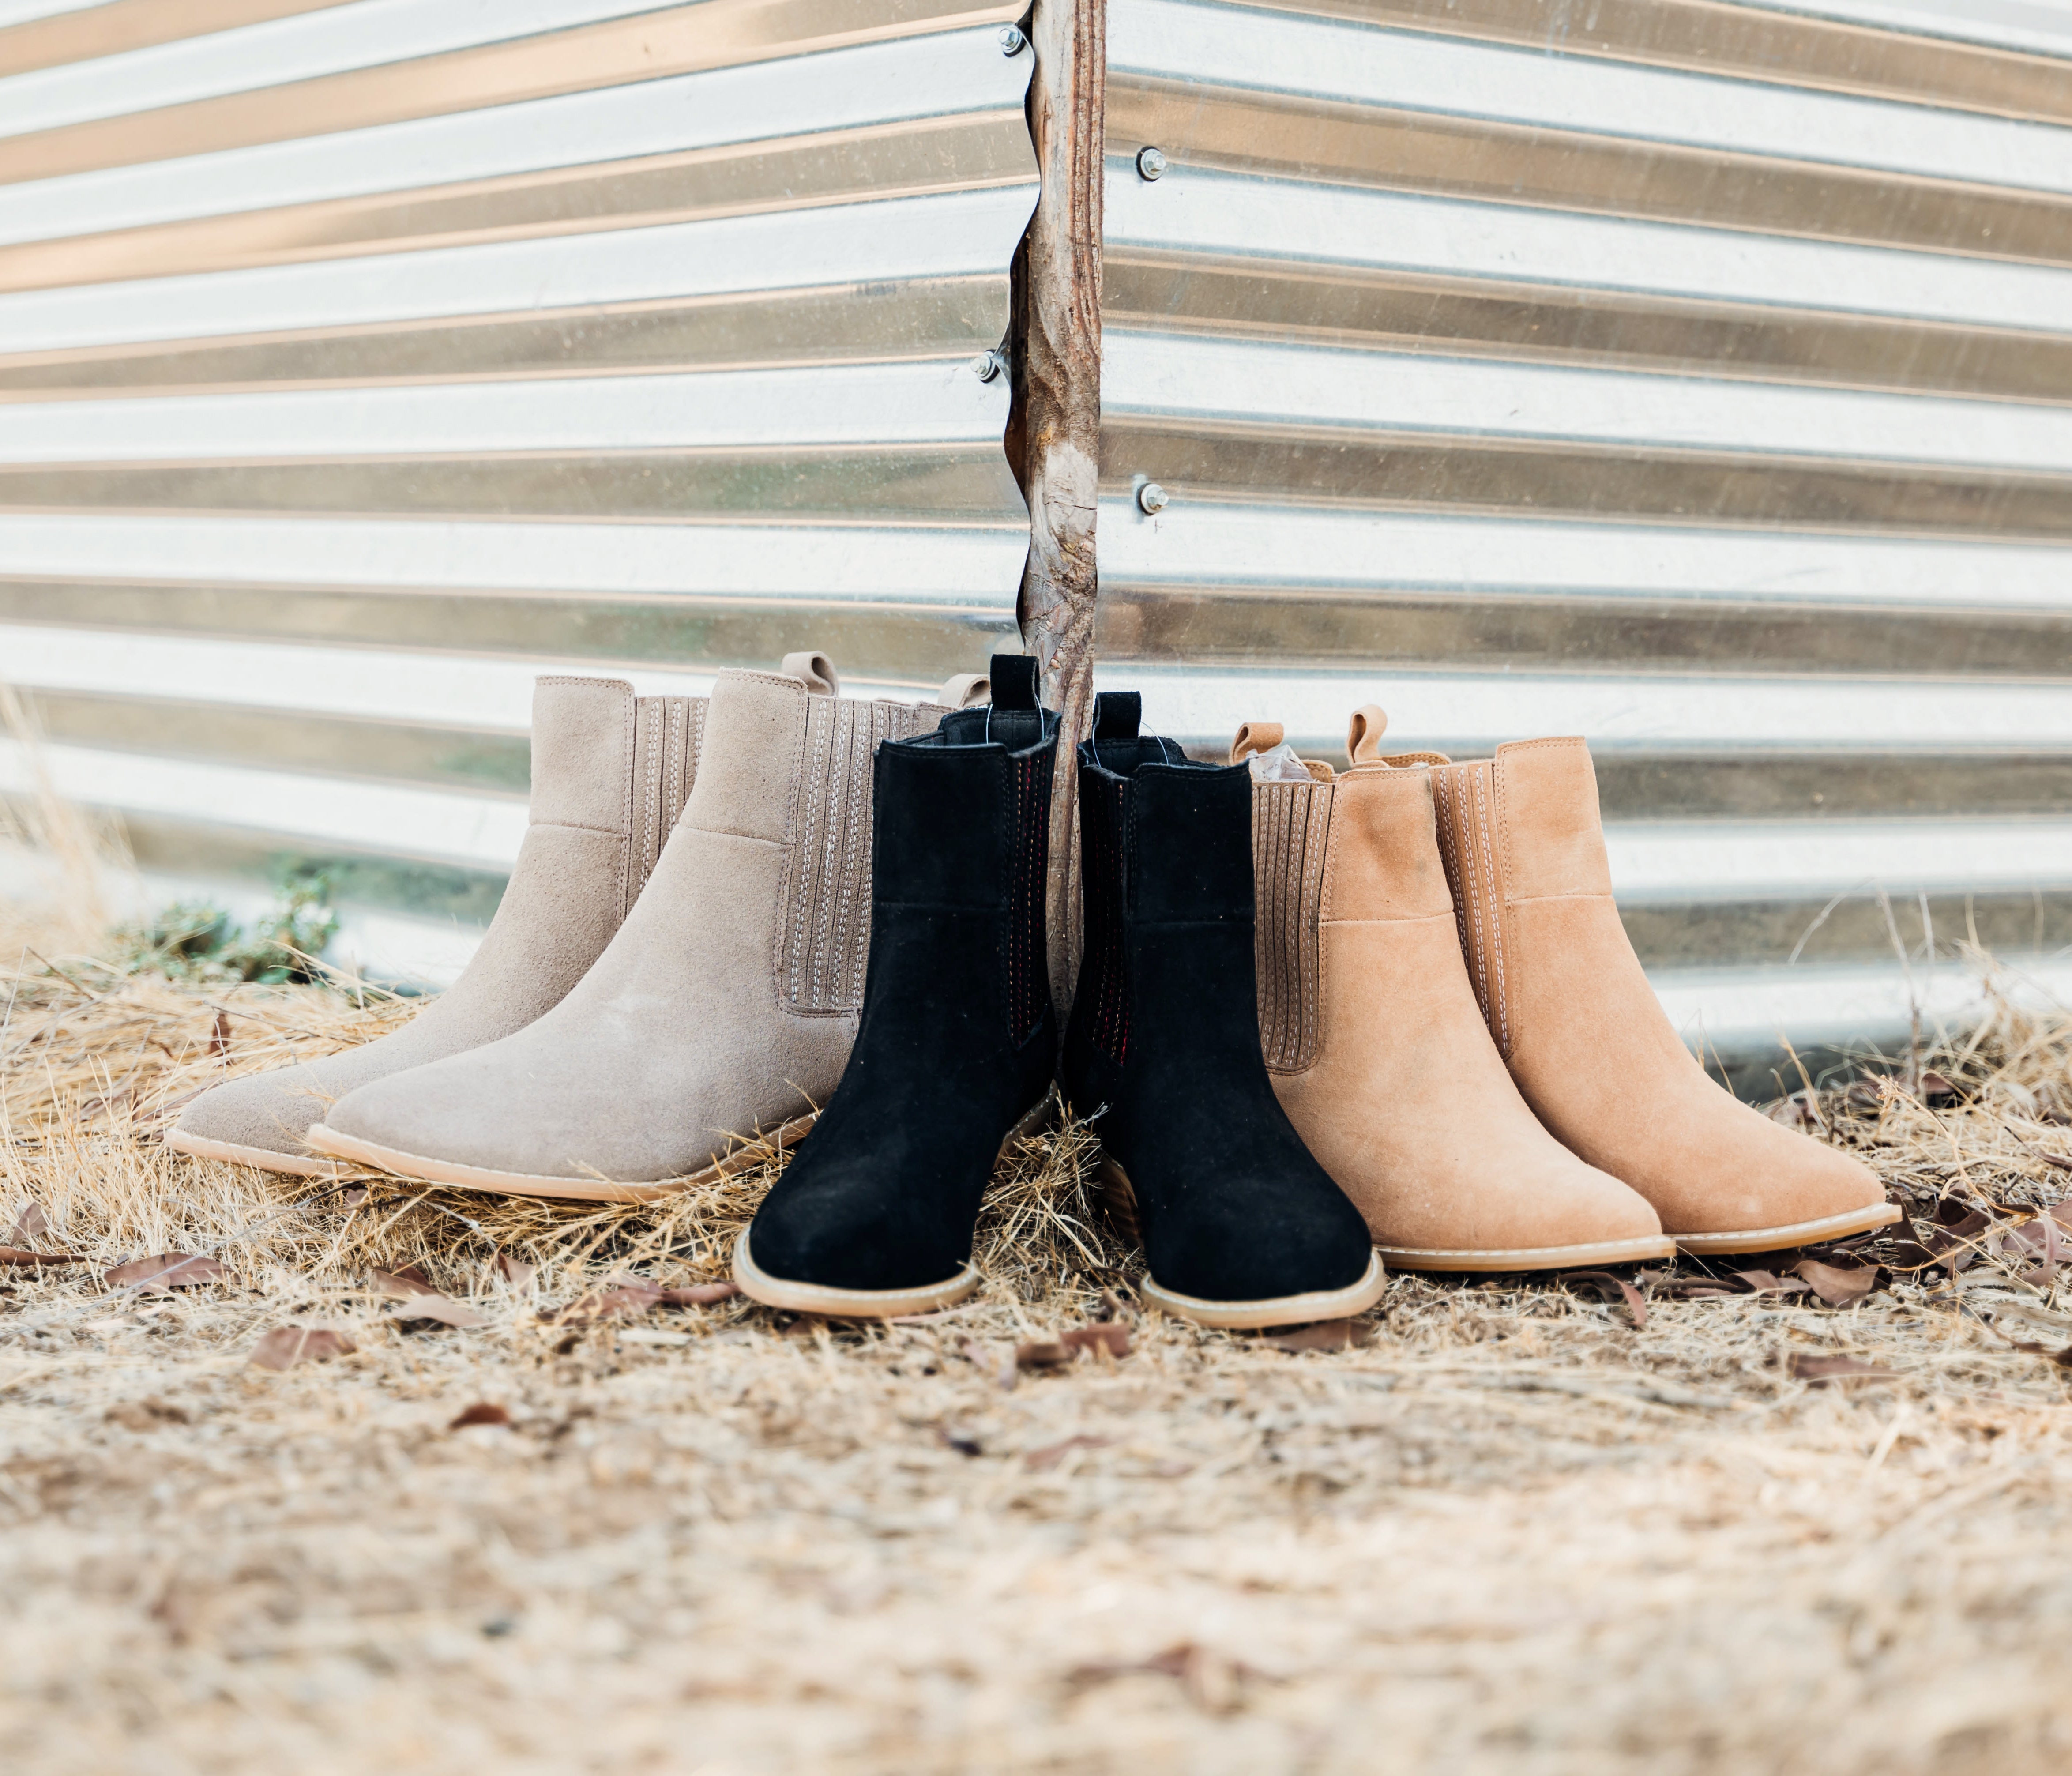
[(1240, 1226), (956, 1053)]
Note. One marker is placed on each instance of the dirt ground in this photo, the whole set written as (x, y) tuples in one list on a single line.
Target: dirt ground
[(1512, 1532)]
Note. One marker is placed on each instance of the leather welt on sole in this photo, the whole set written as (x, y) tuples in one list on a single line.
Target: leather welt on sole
[(572, 1189), (846, 1304), (1323, 1304), (1603, 1252), (296, 1165), (1798, 1233)]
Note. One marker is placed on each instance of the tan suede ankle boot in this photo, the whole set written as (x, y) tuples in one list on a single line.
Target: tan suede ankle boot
[(1592, 1051), (610, 773), (1376, 1046), (723, 1012)]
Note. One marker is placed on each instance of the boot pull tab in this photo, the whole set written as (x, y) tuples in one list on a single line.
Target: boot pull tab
[(1013, 682), (1364, 734), (961, 690), (817, 670), (1256, 737), (1117, 715)]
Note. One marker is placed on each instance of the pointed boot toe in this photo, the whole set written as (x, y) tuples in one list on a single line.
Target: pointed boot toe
[(1569, 1008), (1377, 1047), (1781, 1189), (610, 772), (1262, 1250), (957, 1045), (1240, 1226), (258, 1121)]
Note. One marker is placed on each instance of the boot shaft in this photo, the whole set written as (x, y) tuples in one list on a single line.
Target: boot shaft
[(607, 761), (1168, 886), (788, 763), (963, 817), (1522, 825)]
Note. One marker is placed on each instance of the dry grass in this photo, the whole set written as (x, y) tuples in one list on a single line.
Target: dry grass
[(1512, 1533)]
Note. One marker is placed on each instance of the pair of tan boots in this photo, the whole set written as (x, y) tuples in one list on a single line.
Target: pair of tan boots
[(678, 960), (1456, 1024)]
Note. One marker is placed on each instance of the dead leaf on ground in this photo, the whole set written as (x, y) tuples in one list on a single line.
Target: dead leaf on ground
[(1768, 1282), (218, 1035), (436, 1309), (145, 1415), (166, 1270), (1609, 1288), (404, 1285), (1955, 1237), (1043, 1460), (621, 1298), (14, 1255), (1102, 1339), (1838, 1286), (1325, 1335), (287, 1346), (482, 1412), (1209, 1678), (32, 1227), (1818, 1372), (698, 1294), (514, 1272)]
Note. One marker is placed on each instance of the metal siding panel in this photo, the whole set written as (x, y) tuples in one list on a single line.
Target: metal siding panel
[(1694, 378), (360, 360)]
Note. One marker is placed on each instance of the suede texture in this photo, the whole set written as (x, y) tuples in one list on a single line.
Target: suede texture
[(678, 1042), (958, 1040), (1162, 1046), (1595, 1054), (563, 904), (1406, 1102)]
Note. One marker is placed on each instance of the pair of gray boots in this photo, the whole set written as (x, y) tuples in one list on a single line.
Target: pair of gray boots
[(671, 981)]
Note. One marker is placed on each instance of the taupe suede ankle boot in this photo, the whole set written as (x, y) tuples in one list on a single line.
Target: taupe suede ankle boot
[(1586, 1039), (721, 1013), (610, 773), (1377, 1049)]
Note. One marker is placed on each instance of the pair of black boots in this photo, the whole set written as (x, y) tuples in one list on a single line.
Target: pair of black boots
[(957, 1050)]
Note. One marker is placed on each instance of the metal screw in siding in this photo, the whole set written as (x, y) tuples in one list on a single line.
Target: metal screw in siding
[(988, 366), (1151, 498), (1012, 41), (1150, 163)]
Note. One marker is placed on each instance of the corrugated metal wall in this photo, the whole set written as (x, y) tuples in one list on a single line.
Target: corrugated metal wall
[(359, 360), (1695, 377)]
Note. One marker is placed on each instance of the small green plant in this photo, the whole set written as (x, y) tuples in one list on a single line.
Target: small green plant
[(197, 940)]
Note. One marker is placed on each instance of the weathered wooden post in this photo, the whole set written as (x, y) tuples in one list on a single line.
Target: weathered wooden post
[(1055, 433)]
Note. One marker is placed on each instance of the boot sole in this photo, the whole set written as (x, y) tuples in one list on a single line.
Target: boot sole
[(873, 1304), (264, 1157), (1604, 1251), (1799, 1233), (568, 1190), (1118, 1197)]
